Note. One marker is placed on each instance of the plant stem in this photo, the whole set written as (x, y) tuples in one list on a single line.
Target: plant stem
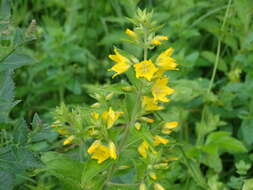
[(216, 63)]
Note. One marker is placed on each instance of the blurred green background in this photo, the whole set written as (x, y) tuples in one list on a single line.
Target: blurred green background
[(76, 37)]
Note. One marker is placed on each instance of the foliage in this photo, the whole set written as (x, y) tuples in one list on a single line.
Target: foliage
[(212, 42)]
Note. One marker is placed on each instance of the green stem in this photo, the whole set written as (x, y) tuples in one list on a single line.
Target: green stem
[(197, 175), (216, 63)]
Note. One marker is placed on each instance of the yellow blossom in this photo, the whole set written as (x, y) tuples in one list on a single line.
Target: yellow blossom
[(153, 175), (68, 140), (148, 120), (110, 117), (131, 33), (142, 186), (122, 63), (165, 61), (160, 140), (158, 186), (137, 126), (99, 152), (150, 104), (157, 40), (113, 152), (160, 90), (145, 69), (94, 115), (168, 126), (142, 149)]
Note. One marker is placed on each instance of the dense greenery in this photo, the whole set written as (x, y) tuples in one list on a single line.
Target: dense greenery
[(62, 59)]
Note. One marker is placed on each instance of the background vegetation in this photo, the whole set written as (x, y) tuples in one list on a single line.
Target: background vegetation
[(70, 53)]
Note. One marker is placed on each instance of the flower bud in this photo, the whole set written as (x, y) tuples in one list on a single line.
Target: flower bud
[(143, 186)]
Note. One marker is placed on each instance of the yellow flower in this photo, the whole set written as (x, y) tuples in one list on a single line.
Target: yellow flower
[(165, 61), (157, 40), (137, 126), (68, 140), (143, 186), (158, 186), (94, 115), (110, 117), (148, 120), (160, 140), (168, 126), (113, 152), (160, 90), (153, 175), (142, 149), (150, 104), (99, 152), (122, 63), (131, 33), (145, 69)]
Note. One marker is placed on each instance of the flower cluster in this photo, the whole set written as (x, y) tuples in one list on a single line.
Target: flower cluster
[(127, 121)]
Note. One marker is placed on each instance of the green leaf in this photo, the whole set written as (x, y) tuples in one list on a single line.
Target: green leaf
[(6, 180), (225, 143), (5, 11), (67, 170), (247, 130), (15, 60), (248, 184), (91, 171), (20, 132)]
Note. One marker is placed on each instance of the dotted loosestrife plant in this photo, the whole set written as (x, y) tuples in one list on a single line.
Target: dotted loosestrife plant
[(122, 135)]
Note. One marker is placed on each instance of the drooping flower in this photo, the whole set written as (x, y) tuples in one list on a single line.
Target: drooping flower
[(99, 151), (165, 61), (169, 126), (157, 40), (68, 140), (150, 104), (142, 149), (113, 151), (158, 186), (160, 90), (160, 140), (145, 69), (122, 63), (110, 117), (131, 33)]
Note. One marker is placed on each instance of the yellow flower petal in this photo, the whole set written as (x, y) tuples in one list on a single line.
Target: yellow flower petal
[(157, 40), (168, 126), (94, 146), (160, 140), (158, 186), (113, 152), (94, 115), (122, 63), (165, 61), (101, 153), (110, 117), (142, 186), (69, 140), (131, 33), (160, 90), (145, 69), (142, 149), (148, 120), (150, 104)]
